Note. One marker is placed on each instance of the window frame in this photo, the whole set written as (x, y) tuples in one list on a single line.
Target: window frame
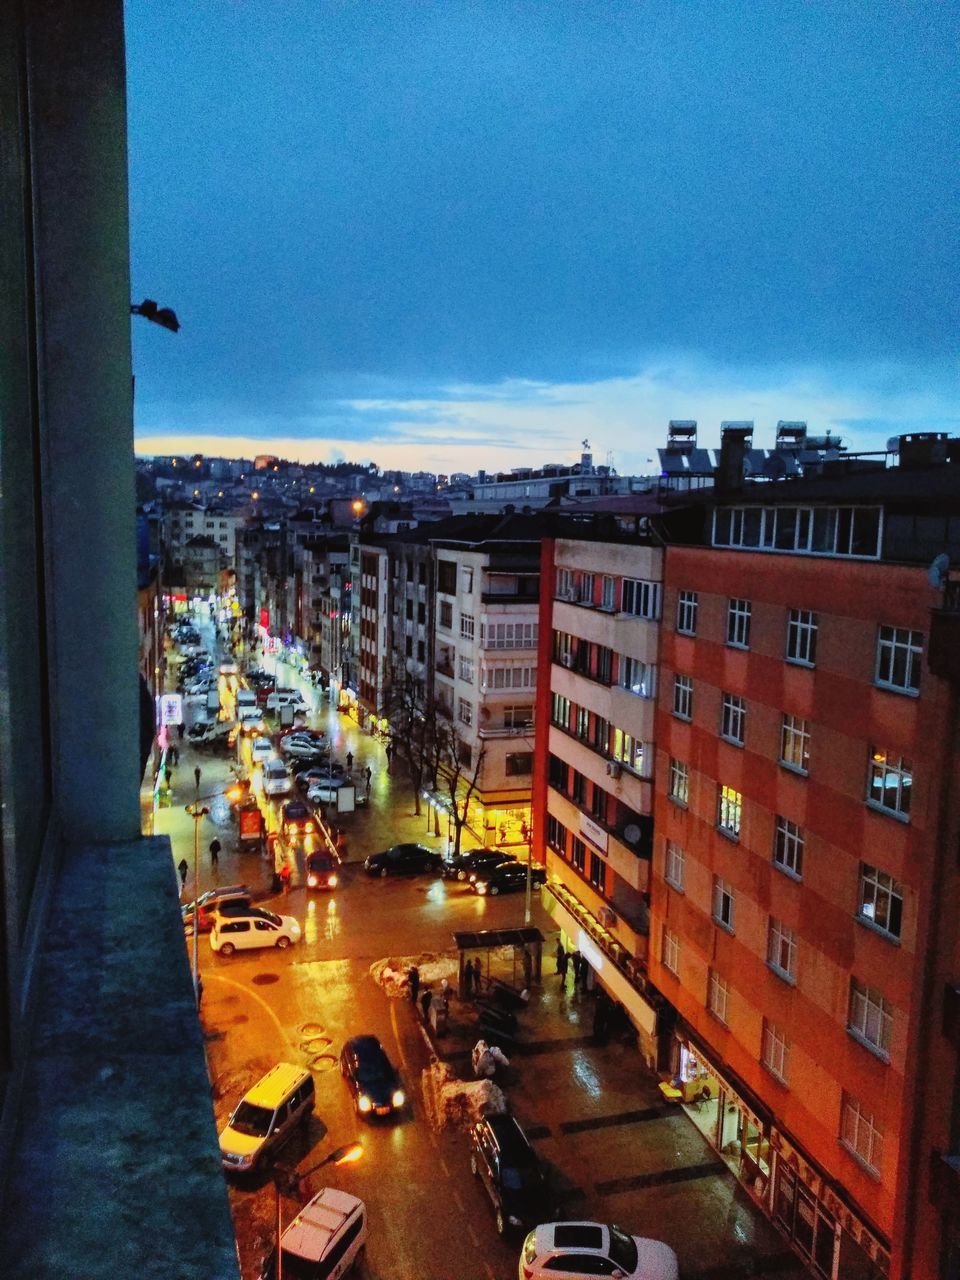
[(675, 866), (679, 782), (722, 904), (802, 628), (788, 838), (780, 936), (890, 646), (683, 697), (795, 741), (739, 619), (688, 603), (891, 894), (902, 770), (867, 1006), (733, 718), (718, 996), (670, 950), (855, 1118), (774, 1051), (729, 806)]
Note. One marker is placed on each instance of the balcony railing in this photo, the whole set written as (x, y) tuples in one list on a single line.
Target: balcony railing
[(632, 967)]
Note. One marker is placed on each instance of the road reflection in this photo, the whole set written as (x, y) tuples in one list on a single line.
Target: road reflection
[(322, 922)]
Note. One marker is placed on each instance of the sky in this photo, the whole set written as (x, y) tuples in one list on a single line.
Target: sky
[(440, 235)]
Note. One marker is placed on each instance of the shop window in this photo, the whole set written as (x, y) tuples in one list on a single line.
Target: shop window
[(861, 1134), (788, 847), (676, 866), (880, 901), (733, 716), (795, 744), (871, 1017), (687, 613), (890, 783), (899, 654), (683, 697), (802, 637), (738, 623)]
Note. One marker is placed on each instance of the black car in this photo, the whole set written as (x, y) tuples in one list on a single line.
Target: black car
[(371, 1077), (508, 877), (402, 860), (507, 1165), (466, 866), (296, 820)]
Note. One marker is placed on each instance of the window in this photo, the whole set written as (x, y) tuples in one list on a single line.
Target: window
[(802, 637), (518, 764), (582, 729), (687, 613), (558, 772), (723, 903), (782, 950), (871, 1017), (642, 599), (409, 610), (466, 626), (717, 994), (565, 590), (733, 714), (795, 744), (676, 866), (788, 847), (598, 872), (556, 835), (508, 677), (600, 735), (670, 951), (729, 811), (636, 676), (831, 531), (517, 717), (408, 646), (421, 614), (773, 1050), (598, 803), (421, 651), (579, 790), (608, 590), (627, 750), (738, 624), (891, 779), (465, 711), (447, 577), (560, 711), (898, 659), (679, 782), (466, 670), (683, 697), (585, 588), (604, 672), (509, 635), (860, 1134), (881, 901), (579, 854), (446, 615), (467, 580)]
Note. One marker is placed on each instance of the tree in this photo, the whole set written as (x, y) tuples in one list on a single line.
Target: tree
[(411, 731), (456, 773)]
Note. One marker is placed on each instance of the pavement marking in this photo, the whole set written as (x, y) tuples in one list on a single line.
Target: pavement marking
[(457, 1200), (609, 1122), (231, 982), (689, 1173)]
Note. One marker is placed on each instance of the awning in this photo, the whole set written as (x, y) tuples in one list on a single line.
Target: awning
[(488, 938)]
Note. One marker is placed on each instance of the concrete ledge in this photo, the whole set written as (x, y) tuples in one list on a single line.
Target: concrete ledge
[(115, 1166)]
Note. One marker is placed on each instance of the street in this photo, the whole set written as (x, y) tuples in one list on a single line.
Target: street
[(613, 1151)]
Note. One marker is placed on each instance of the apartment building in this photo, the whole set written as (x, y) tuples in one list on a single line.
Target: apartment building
[(412, 609), (804, 914), (322, 586), (183, 522), (369, 676), (593, 794)]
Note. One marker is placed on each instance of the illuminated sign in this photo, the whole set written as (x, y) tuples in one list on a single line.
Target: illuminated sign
[(171, 708)]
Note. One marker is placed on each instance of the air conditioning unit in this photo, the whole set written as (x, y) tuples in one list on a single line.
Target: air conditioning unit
[(607, 917), (613, 769), (570, 594)]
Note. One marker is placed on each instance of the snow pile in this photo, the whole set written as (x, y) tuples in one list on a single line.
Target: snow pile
[(391, 974), (449, 1100)]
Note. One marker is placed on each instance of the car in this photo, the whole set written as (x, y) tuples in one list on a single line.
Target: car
[(266, 1116), (502, 1158), (251, 722), (402, 859), (371, 1077), (287, 698), (261, 749), (315, 773), (228, 668), (255, 928), (323, 869), (296, 820), (574, 1249), (508, 877), (276, 778), (324, 1239), (467, 866)]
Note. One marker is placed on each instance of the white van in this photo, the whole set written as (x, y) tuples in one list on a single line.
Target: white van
[(276, 778), (324, 1238), (266, 1116)]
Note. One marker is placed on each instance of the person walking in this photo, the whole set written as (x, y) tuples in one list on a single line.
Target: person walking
[(285, 878), (215, 848), (468, 979), (559, 954), (349, 761), (576, 960), (388, 753), (181, 730), (174, 753), (562, 970), (425, 1000), (413, 983), (183, 869)]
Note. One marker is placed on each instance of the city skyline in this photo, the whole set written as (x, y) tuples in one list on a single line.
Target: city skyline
[(424, 236)]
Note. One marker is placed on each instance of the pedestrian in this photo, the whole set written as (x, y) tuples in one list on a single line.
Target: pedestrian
[(576, 960), (468, 979), (527, 967), (562, 970), (174, 753), (183, 869), (368, 774), (444, 995), (168, 773), (181, 730), (413, 982), (349, 761), (285, 877), (559, 954), (425, 1000), (388, 753), (199, 991), (215, 847)]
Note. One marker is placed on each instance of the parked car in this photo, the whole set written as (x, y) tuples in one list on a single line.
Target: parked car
[(276, 778), (371, 1077), (261, 749), (257, 928), (287, 698), (209, 731), (324, 1239), (508, 877), (507, 1166), (575, 1249), (228, 668), (467, 866), (306, 778), (296, 820), (402, 860)]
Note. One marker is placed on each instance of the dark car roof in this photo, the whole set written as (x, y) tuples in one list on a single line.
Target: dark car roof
[(407, 848), (511, 1140), (370, 1055), (508, 869)]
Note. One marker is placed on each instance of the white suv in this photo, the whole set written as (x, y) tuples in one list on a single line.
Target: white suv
[(324, 1238), (575, 1249)]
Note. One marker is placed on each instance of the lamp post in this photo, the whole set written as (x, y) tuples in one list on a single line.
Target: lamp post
[(288, 1182), (163, 316), (197, 812)]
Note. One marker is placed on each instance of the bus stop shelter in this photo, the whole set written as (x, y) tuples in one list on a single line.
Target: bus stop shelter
[(526, 951)]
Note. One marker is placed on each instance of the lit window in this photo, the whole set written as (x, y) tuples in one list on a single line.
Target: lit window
[(560, 712), (880, 901), (795, 743), (773, 1050), (733, 715), (788, 847), (729, 810), (738, 623), (676, 865), (891, 780), (871, 1017), (860, 1133), (683, 697), (717, 995), (898, 659), (802, 637), (782, 950), (687, 613)]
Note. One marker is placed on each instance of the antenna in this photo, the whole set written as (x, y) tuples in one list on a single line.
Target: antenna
[(939, 572)]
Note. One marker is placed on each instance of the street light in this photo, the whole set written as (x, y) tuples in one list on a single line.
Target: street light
[(289, 1182), (165, 317), (197, 812)]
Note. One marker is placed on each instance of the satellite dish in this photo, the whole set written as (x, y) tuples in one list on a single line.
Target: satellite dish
[(939, 571)]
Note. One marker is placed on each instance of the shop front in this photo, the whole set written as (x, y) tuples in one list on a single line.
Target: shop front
[(724, 1111)]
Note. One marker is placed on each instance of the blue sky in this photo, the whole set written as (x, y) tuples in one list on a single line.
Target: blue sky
[(448, 235)]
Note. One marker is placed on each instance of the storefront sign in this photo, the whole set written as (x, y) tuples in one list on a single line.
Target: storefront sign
[(171, 708), (594, 833)]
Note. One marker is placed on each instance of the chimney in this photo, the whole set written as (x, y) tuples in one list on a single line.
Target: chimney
[(736, 438)]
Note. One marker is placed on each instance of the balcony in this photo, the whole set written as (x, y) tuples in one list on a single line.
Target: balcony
[(509, 597), (630, 966), (943, 648)]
